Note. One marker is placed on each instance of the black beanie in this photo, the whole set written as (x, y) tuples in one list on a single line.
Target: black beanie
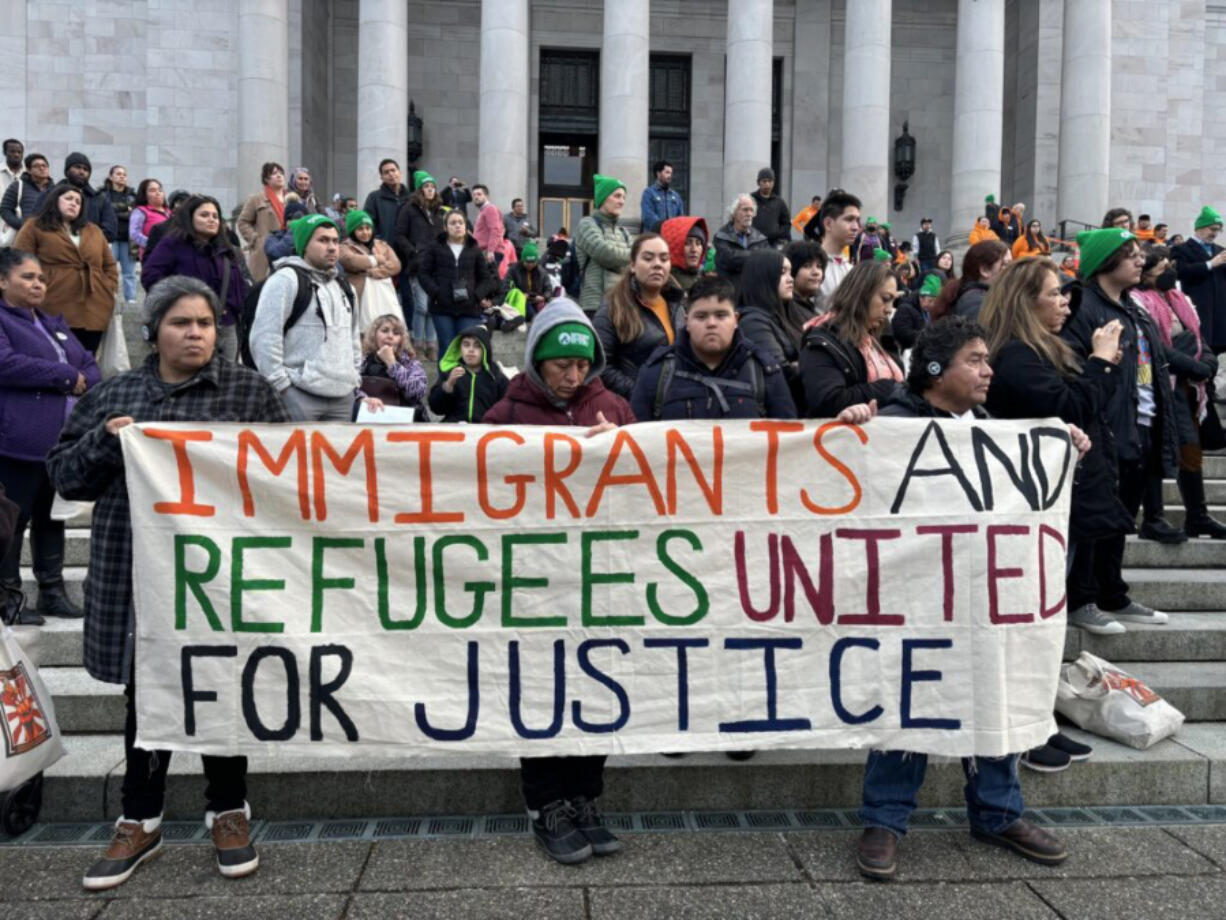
[(766, 173), (77, 159)]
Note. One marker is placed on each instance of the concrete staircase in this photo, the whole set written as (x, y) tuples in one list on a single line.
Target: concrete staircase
[(1185, 661)]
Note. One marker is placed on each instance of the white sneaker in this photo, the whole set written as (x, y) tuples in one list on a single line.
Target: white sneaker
[(1139, 613), (1093, 620)]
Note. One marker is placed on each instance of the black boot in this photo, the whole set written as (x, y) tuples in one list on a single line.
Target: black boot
[(47, 543), (53, 601), (13, 609), (1197, 523), (1154, 525)]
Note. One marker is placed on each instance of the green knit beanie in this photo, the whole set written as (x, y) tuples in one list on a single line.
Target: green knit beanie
[(1096, 247), (531, 251), (566, 340), (1207, 218), (882, 255), (931, 286), (420, 178), (605, 186), (870, 222), (989, 199), (304, 228), (884, 225), (354, 219)]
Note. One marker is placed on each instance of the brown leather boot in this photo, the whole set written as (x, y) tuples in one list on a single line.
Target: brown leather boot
[(875, 854), (231, 832), (133, 843), (1027, 840)]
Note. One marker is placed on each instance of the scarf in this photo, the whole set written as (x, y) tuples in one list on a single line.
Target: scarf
[(877, 361), (278, 205), (1160, 306)]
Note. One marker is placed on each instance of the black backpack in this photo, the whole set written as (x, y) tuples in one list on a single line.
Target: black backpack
[(717, 385), (307, 289), (572, 278)]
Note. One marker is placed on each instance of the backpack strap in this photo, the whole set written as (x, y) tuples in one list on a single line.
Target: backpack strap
[(757, 379), (668, 367), (302, 300)]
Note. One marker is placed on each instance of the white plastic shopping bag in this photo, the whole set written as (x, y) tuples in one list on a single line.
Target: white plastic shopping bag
[(113, 349), (1100, 698), (31, 741), (65, 509)]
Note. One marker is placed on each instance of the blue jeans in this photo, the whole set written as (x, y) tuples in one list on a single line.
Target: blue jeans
[(892, 780), (420, 327), (127, 268), (448, 327)]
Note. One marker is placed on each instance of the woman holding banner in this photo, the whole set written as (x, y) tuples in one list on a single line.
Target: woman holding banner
[(185, 379), (561, 385)]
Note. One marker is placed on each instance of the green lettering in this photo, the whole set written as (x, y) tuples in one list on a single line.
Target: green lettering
[(591, 578), (419, 565), (185, 579), (478, 588), (238, 584), (319, 584), (700, 593), (510, 581)]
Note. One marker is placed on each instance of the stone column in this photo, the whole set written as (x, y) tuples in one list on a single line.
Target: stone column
[(810, 103), (1085, 112), (747, 97), (625, 75), (979, 97), (263, 89), (383, 89), (866, 105), (502, 145)]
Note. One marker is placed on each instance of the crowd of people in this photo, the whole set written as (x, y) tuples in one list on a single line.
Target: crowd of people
[(303, 311)]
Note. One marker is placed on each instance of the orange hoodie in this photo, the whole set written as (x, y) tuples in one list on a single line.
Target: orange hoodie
[(674, 231), (979, 234)]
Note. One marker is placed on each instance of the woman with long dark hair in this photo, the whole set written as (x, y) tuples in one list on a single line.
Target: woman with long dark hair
[(1032, 243), (82, 277), (458, 280), (418, 224), (1193, 365), (149, 209), (842, 360), (768, 315), (197, 245), (641, 312), (122, 199), (964, 295)]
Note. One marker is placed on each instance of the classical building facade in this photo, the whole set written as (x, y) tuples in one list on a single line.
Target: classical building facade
[(1068, 105)]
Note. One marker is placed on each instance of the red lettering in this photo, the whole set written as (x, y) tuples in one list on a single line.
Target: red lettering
[(772, 430), (295, 444), (995, 574), (858, 492), (713, 488), (554, 486), (187, 503), (1044, 611), (742, 578), (519, 480), (872, 583), (644, 477), (821, 600), (947, 532)]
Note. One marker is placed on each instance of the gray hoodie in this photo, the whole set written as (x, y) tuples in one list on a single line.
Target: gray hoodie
[(322, 351), (558, 311)]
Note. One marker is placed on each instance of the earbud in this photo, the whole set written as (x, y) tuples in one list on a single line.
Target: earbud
[(146, 333), (934, 368)]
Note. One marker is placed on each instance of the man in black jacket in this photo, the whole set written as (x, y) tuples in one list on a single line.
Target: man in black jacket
[(949, 379), (773, 220), (711, 371), (1141, 411), (1201, 265), (384, 203)]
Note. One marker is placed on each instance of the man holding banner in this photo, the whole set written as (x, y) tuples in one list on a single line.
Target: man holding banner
[(185, 379), (949, 378)]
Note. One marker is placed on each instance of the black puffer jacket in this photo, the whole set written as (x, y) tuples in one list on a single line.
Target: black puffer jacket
[(834, 375), (625, 358), (773, 220), (416, 231), (1027, 385), (767, 328), (903, 402), (440, 273), (1092, 309)]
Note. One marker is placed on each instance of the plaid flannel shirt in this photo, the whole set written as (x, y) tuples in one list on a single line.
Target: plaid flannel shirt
[(87, 465)]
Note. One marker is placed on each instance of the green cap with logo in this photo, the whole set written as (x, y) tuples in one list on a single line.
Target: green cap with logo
[(931, 286), (566, 340), (1096, 247)]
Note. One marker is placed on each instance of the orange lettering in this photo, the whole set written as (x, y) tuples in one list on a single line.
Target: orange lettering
[(519, 480), (364, 443), (838, 465), (295, 443), (714, 493), (554, 477), (425, 440), (187, 503), (644, 476), (772, 430)]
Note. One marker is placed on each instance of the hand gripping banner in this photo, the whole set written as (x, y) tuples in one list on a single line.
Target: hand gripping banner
[(662, 587)]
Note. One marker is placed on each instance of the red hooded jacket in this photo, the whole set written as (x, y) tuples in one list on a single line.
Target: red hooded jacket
[(674, 231), (525, 403)]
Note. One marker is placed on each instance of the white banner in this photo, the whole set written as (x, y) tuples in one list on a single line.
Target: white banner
[(662, 587)]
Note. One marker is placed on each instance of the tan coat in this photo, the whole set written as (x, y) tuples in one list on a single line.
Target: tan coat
[(81, 281), (356, 261), (255, 223)]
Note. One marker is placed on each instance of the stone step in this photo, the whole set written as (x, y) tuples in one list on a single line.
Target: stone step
[(1175, 513), (1178, 589), (1188, 637), (1215, 492), (85, 786), (1197, 688), (1215, 466)]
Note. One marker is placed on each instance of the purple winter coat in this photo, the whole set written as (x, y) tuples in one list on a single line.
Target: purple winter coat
[(177, 256), (34, 383)]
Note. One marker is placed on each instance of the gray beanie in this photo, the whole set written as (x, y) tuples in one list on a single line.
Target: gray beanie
[(168, 292)]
